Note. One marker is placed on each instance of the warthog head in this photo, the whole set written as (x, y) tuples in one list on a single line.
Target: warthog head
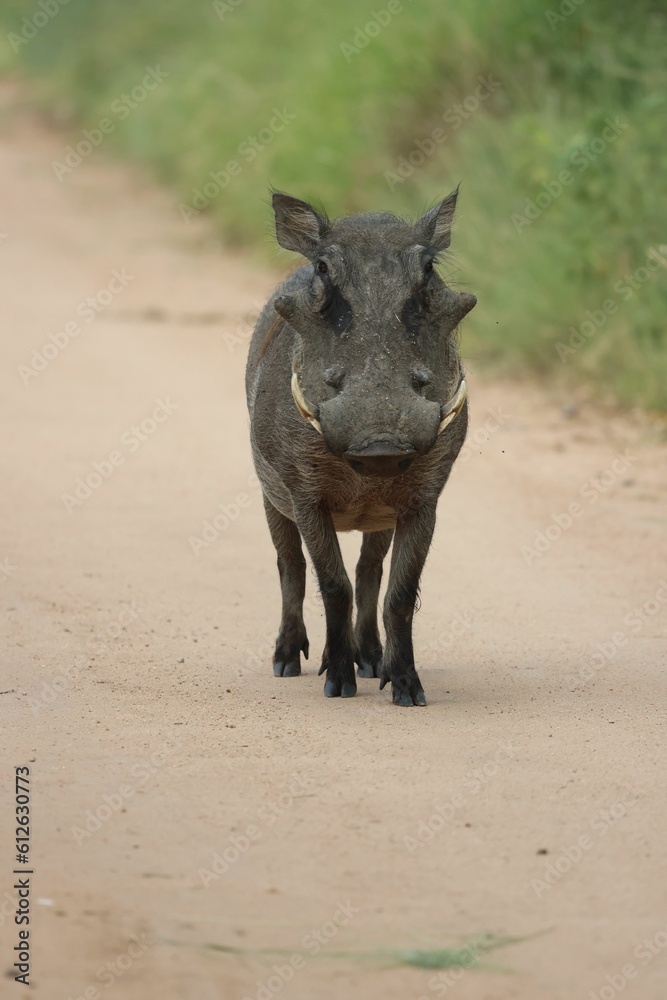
[(375, 368)]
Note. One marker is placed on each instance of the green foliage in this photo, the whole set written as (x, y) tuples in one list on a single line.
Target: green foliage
[(471, 954), (366, 98)]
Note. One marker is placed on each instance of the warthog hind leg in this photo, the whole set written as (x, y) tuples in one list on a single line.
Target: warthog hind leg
[(374, 548)]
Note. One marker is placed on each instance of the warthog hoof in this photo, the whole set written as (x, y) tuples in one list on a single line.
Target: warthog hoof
[(291, 642), (368, 655), (406, 690), (290, 669), (407, 699), (368, 669), (339, 689)]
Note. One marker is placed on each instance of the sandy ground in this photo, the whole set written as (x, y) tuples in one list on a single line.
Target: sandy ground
[(182, 796)]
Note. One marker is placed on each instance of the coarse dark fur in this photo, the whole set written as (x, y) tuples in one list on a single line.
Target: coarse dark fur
[(368, 327)]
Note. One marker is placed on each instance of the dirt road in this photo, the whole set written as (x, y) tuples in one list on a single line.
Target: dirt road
[(183, 797)]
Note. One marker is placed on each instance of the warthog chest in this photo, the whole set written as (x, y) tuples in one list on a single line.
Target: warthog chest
[(364, 515)]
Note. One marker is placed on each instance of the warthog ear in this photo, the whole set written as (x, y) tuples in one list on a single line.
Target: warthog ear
[(298, 226), (435, 228)]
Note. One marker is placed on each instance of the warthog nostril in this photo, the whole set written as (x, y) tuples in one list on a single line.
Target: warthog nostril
[(381, 458), (334, 377), (421, 377)]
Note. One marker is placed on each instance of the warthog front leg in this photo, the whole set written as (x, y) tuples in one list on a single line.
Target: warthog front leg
[(292, 639), (411, 544), (374, 548), (318, 532)]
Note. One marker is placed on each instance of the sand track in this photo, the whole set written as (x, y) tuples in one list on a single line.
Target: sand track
[(136, 672)]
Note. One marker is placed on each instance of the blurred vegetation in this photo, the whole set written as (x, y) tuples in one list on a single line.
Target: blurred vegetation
[(367, 83)]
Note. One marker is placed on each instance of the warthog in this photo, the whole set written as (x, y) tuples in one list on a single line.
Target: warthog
[(358, 409)]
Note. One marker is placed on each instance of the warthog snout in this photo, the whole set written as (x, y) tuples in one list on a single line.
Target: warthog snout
[(381, 458)]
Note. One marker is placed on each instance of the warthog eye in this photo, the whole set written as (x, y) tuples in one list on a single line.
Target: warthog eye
[(428, 267), (322, 267)]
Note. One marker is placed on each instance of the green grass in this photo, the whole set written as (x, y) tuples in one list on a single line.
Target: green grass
[(356, 114), (469, 955)]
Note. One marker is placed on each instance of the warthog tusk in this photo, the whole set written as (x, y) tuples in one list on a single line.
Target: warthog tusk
[(306, 409), (449, 411)]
